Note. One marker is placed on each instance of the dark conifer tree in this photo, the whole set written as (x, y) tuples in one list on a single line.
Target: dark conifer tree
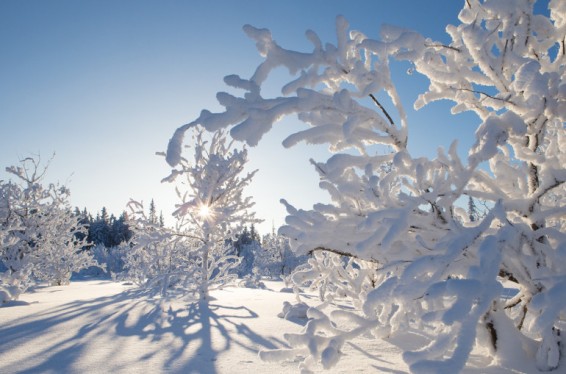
[(472, 210), (152, 212)]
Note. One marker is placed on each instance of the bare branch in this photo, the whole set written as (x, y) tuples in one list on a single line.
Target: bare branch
[(382, 109), (439, 45), (341, 253), (486, 95)]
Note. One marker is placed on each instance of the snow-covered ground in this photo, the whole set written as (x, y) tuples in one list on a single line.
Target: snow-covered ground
[(106, 327), (103, 327)]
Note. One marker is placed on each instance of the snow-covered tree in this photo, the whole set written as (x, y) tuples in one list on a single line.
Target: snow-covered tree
[(276, 258), (473, 214), (60, 247), (12, 284), (400, 218), (42, 237), (213, 205), (196, 256), (249, 248), (160, 259)]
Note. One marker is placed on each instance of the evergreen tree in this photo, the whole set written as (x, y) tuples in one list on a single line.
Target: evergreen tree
[(108, 232), (104, 215), (87, 216), (119, 232), (152, 213), (254, 236), (161, 220), (242, 239), (472, 210)]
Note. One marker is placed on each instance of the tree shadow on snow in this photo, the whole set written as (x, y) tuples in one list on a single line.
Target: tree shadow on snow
[(128, 331), (51, 338), (203, 330), (12, 303), (377, 358)]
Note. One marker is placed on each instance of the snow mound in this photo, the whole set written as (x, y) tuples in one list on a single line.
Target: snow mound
[(294, 311)]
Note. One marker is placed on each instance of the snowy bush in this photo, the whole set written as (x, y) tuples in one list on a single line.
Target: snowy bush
[(271, 258), (40, 234), (196, 256), (432, 268), (159, 260), (12, 285), (294, 311), (248, 256), (111, 261), (277, 259), (337, 277), (252, 280)]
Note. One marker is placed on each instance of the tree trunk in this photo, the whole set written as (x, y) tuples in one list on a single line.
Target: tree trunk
[(203, 289)]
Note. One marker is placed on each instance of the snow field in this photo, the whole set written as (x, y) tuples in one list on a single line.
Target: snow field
[(103, 327), (99, 326)]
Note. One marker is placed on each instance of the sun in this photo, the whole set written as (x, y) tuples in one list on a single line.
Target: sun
[(204, 211)]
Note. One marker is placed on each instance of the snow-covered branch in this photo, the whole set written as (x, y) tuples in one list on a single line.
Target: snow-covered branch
[(505, 64)]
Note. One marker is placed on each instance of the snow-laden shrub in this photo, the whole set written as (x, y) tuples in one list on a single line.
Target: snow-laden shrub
[(196, 255), (42, 238), (157, 260), (337, 277), (12, 285), (272, 258), (249, 256), (252, 280), (435, 269), (278, 258), (110, 261)]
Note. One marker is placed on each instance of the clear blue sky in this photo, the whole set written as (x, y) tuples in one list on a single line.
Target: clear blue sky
[(105, 83)]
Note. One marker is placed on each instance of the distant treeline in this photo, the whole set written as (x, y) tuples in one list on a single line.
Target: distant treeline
[(105, 229)]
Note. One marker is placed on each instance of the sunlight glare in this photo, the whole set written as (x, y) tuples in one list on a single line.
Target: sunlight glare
[(204, 211)]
